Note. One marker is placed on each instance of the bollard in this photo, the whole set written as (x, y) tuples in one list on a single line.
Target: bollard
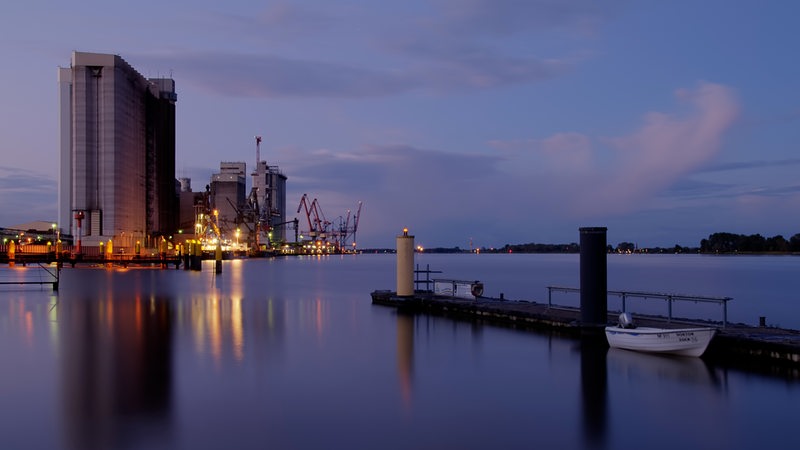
[(186, 250), (198, 256), (218, 259), (405, 264), (11, 253), (594, 296), (162, 252)]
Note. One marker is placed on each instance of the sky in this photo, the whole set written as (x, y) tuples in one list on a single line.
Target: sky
[(489, 122)]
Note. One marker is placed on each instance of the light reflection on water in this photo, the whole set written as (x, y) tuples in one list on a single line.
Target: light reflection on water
[(291, 354)]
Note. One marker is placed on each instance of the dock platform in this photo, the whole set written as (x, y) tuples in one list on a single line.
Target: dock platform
[(776, 350)]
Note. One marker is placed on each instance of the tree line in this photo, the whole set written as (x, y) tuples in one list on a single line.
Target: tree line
[(754, 243), (715, 243)]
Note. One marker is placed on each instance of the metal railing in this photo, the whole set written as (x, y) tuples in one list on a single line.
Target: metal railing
[(669, 298), (427, 281), (45, 275)]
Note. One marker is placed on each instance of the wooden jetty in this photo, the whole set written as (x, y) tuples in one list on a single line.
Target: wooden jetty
[(759, 348)]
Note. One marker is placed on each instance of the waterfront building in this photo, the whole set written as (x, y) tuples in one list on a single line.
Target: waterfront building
[(269, 190), (228, 195), (189, 203), (117, 140)]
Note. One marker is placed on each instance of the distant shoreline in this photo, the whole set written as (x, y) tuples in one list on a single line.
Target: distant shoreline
[(654, 251)]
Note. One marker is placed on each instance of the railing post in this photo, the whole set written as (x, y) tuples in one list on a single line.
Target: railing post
[(427, 277), (549, 296), (724, 313), (624, 308), (669, 302)]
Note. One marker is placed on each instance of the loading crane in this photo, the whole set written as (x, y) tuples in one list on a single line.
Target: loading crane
[(355, 223), (321, 229), (317, 224), (345, 230)]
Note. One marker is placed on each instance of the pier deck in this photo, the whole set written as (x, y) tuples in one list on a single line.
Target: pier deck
[(743, 344)]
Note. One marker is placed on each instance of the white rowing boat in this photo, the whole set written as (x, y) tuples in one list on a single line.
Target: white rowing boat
[(676, 341)]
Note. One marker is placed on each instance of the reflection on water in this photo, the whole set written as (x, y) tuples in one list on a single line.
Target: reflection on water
[(291, 354), (405, 355), (643, 366), (116, 370), (594, 389), (217, 327)]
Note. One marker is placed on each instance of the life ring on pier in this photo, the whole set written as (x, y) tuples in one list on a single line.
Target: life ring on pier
[(476, 289)]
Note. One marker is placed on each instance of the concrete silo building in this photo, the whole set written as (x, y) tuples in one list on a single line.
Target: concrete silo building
[(117, 139), (228, 189)]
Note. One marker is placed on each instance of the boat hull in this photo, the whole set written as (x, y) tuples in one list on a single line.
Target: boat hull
[(682, 341)]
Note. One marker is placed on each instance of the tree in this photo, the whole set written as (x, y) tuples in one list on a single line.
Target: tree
[(777, 244), (794, 243)]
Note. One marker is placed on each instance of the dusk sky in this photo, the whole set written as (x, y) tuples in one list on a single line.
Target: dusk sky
[(500, 121)]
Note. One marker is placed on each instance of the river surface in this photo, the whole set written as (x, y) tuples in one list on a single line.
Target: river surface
[(291, 354)]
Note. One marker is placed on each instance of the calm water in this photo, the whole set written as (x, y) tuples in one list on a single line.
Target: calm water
[(291, 354)]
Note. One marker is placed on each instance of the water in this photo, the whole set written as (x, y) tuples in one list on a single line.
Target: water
[(291, 354)]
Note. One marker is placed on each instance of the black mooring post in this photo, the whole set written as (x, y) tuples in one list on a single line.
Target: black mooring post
[(594, 301)]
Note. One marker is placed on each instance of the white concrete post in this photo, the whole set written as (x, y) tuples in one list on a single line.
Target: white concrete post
[(405, 264)]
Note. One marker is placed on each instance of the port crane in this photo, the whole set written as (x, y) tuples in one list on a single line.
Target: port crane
[(320, 229), (317, 224), (345, 230)]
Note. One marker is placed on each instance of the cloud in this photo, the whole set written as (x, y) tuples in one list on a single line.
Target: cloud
[(453, 46), (566, 179), (588, 177), (269, 76), (745, 165), (289, 16), (568, 151), (667, 147), (444, 67), (399, 185), (503, 17), (26, 196)]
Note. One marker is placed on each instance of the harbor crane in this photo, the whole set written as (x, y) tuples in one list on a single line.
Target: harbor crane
[(317, 226), (320, 228)]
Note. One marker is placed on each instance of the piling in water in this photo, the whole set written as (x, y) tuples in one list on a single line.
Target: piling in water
[(594, 303), (218, 259)]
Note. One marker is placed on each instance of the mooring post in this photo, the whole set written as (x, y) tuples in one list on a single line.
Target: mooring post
[(197, 258), (187, 250), (405, 264), (594, 300), (218, 259)]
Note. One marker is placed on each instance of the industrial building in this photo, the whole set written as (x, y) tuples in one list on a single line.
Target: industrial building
[(228, 195), (117, 140), (269, 198)]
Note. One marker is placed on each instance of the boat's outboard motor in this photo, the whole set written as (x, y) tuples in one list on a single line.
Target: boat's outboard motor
[(626, 321)]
